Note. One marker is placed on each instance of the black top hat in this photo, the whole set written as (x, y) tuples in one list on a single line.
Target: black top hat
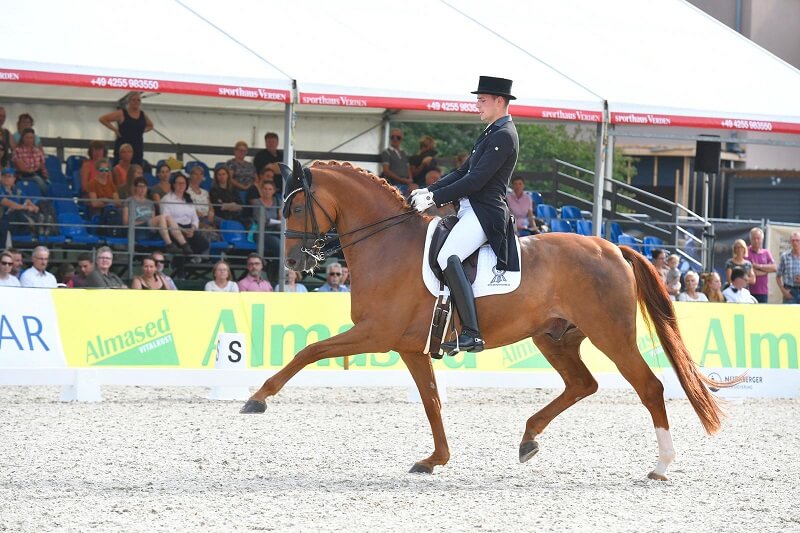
[(497, 86)]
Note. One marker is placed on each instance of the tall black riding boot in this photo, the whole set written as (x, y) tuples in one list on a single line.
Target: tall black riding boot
[(461, 292)]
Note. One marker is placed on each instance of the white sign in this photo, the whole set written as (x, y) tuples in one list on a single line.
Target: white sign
[(29, 336)]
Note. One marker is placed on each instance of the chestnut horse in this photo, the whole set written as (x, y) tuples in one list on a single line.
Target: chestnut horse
[(573, 287)]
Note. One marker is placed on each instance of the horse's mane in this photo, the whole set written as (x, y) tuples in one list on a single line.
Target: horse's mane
[(349, 168)]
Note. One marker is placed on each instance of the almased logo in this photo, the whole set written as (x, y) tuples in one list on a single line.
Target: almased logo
[(150, 344)]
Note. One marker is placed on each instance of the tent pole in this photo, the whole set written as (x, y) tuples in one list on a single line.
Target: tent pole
[(288, 157), (609, 168), (597, 210)]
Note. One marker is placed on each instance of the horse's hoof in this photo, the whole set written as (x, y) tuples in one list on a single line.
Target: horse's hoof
[(420, 468), (657, 477), (527, 450), (253, 407)]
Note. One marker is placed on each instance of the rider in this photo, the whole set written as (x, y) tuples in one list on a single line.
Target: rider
[(479, 187)]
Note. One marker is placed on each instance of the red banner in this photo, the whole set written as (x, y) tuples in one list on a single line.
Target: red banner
[(650, 119)]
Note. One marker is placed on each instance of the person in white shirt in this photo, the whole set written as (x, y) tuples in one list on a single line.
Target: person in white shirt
[(38, 276), (178, 204), (737, 292), (6, 264), (691, 279), (222, 281)]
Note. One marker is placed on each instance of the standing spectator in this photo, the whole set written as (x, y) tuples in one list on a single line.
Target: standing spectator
[(521, 206), (738, 260), (737, 292), (102, 277), (16, 212), (333, 279), (712, 287), (396, 168), (269, 156), (200, 197), (159, 260), (150, 278), (224, 197), (102, 190), (291, 284), (272, 219), (253, 281), (97, 150), (178, 205), (19, 262), (146, 220), (5, 155), (37, 275), (6, 264), (691, 294), (129, 125), (788, 277), (25, 121), (162, 188), (253, 195), (5, 135), (423, 161), (660, 262), (66, 275), (244, 172), (29, 160), (763, 265), (223, 280), (121, 169), (85, 267)]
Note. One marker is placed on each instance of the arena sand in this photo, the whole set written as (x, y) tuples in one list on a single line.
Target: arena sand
[(325, 459)]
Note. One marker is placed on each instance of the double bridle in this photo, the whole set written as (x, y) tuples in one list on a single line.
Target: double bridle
[(319, 240)]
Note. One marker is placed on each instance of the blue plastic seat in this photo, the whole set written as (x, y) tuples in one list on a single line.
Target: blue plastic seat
[(60, 189), (630, 240), (73, 163), (74, 182), (651, 243), (152, 243), (66, 206), (585, 227), (235, 235), (30, 189), (151, 180), (54, 172), (570, 212), (546, 212), (536, 197), (560, 226), (73, 227), (616, 231)]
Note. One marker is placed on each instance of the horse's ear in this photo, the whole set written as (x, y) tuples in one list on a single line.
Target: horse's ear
[(297, 169), (286, 174)]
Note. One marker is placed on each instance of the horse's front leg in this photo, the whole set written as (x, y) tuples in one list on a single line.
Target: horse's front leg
[(421, 369), (358, 339)]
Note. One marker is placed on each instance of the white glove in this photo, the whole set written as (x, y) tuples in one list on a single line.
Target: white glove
[(415, 192), (421, 202)]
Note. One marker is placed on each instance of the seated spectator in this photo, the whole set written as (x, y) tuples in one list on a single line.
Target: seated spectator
[(150, 279), (673, 278), (120, 174), (5, 136), (432, 177), (333, 277), (37, 275), (135, 171), (738, 260), (17, 214), (243, 171), (66, 275), (394, 162), (272, 220), (19, 262), (345, 275), (85, 267), (162, 188), (660, 262), (291, 285), (521, 206), (178, 205), (97, 150), (712, 287), (253, 280), (102, 190), (269, 156), (253, 194), (147, 222), (460, 159), (102, 277), (224, 198), (424, 160), (158, 258), (5, 155), (223, 280), (29, 161), (25, 121), (737, 291), (691, 294), (6, 264), (200, 197)]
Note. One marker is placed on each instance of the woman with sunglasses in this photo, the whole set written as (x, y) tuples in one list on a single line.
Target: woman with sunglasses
[(6, 264)]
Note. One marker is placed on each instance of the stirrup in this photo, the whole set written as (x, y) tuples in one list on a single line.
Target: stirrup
[(464, 343)]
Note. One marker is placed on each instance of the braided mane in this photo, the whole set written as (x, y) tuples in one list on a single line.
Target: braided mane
[(349, 168)]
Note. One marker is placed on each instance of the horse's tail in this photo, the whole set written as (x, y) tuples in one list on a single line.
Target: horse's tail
[(658, 311)]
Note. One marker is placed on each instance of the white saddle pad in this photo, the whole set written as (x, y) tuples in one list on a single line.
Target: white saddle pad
[(488, 281)]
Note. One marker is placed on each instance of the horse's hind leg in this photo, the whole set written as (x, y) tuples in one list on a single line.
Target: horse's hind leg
[(564, 356), (421, 369)]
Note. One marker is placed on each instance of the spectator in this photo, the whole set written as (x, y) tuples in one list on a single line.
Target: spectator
[(673, 277), (6, 264), (333, 283), (178, 205), (19, 263), (291, 284), (102, 277), (121, 169), (691, 294), (253, 282), (150, 278), (29, 160), (763, 265), (432, 177), (97, 150), (223, 280), (17, 213), (521, 206), (737, 292), (252, 196), (423, 161), (788, 277), (147, 222), (158, 258), (660, 262), (396, 168), (200, 197), (712, 287), (66, 275), (129, 125), (5, 135), (37, 275), (25, 121), (272, 220), (244, 172), (5, 155), (162, 188), (223, 197), (269, 156), (460, 159), (738, 260), (102, 190), (85, 267), (134, 172)]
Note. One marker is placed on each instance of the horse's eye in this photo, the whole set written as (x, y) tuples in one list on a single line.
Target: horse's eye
[(297, 209)]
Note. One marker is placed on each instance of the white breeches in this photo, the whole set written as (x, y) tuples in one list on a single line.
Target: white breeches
[(466, 237)]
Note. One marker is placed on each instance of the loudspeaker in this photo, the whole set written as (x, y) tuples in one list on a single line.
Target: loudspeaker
[(706, 157)]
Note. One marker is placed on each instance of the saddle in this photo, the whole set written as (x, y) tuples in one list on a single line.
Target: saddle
[(440, 234)]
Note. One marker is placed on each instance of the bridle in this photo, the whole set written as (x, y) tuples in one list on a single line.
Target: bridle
[(314, 242)]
